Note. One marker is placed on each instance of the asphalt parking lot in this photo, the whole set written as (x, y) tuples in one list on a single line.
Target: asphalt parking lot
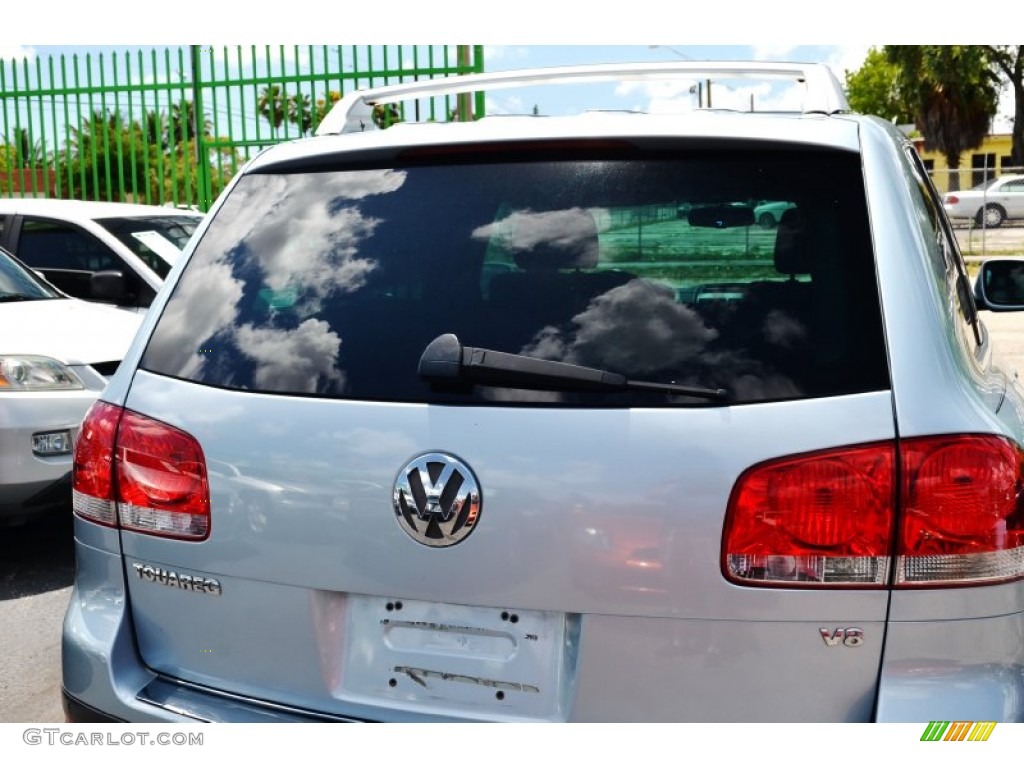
[(37, 566)]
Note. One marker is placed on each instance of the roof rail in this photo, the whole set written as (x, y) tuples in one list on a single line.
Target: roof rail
[(824, 93)]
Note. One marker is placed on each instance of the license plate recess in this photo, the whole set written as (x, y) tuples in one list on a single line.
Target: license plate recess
[(459, 660)]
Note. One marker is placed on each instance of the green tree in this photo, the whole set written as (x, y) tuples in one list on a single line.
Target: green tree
[(386, 115), (181, 127), (8, 162), (952, 93), (29, 154), (272, 105), (176, 180), (300, 113), (1008, 62), (277, 107), (105, 159), (152, 159), (871, 90), (155, 130)]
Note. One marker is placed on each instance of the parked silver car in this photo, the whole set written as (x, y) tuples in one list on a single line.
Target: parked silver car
[(988, 204), (528, 419), (55, 356)]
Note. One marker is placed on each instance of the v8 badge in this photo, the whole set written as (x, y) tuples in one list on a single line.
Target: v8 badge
[(851, 637)]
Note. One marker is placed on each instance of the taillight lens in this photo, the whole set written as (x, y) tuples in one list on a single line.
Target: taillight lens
[(962, 515), (161, 479), (952, 199), (826, 519), (155, 472), (821, 519), (92, 495)]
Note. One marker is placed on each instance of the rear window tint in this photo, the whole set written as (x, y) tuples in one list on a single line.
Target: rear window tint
[(747, 270)]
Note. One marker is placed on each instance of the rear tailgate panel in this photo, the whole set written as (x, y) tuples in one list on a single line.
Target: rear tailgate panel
[(603, 527)]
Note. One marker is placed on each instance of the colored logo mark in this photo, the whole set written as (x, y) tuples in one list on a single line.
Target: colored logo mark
[(960, 730)]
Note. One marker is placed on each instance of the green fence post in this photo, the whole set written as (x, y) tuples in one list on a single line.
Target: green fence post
[(203, 185)]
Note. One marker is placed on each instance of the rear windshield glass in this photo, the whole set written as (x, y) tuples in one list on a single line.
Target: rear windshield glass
[(750, 271)]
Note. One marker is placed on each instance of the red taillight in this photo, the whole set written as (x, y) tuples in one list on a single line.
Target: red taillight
[(92, 473), (962, 515), (826, 519), (155, 472), (161, 480), (820, 519), (952, 199)]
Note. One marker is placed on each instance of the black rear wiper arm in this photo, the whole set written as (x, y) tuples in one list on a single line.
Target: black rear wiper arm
[(446, 360)]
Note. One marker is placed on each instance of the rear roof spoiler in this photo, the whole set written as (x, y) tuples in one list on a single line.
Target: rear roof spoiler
[(824, 94)]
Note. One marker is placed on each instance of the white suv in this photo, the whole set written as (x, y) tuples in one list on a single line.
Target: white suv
[(529, 419)]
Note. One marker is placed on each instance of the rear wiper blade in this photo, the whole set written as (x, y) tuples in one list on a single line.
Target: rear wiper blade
[(446, 360)]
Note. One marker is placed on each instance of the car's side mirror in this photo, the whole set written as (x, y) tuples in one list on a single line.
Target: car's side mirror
[(999, 286), (107, 285)]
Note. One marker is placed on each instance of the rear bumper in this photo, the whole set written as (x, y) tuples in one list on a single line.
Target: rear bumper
[(30, 484), (969, 669), (181, 702), (76, 711)]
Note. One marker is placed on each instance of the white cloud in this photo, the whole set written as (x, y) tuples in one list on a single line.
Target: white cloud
[(493, 53), (773, 52), (292, 360), (8, 52), (674, 96), (505, 104), (847, 58)]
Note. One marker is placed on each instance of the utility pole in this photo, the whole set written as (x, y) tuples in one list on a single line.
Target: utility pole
[(465, 100)]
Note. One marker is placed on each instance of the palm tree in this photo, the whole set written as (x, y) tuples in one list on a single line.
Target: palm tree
[(386, 115), (300, 112), (103, 159), (154, 129), (182, 127), (272, 105), (1009, 60), (953, 95), (29, 154)]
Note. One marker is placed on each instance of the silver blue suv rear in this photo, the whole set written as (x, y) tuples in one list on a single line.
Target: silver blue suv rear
[(531, 419)]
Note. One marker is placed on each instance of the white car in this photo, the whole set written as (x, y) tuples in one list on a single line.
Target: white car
[(768, 213), (118, 253), (56, 353), (988, 204)]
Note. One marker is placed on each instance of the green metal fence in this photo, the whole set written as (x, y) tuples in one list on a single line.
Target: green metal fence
[(172, 125)]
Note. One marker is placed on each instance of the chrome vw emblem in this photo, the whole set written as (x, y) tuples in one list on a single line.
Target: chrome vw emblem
[(437, 500)]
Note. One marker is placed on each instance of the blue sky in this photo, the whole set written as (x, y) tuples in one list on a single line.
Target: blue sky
[(523, 33), (663, 96), (658, 96)]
